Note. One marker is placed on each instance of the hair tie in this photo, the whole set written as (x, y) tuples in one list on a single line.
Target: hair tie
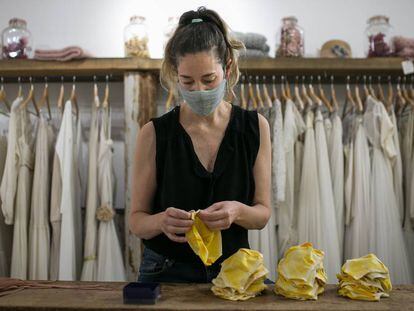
[(196, 20)]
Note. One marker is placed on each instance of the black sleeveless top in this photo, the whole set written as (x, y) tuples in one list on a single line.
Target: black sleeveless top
[(183, 182)]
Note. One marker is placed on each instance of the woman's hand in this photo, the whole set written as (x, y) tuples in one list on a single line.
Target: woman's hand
[(220, 215), (176, 222)]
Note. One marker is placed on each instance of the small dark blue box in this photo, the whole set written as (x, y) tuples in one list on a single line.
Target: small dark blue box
[(141, 293)]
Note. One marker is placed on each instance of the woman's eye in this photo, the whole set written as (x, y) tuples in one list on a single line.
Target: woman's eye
[(188, 83)]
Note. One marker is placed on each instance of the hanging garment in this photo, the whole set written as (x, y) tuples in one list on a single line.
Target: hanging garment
[(39, 232), (64, 149), (293, 127), (359, 214), (278, 153), (327, 123), (6, 231), (389, 243), (328, 216), (397, 169), (310, 213), (9, 181), (110, 260), (406, 122), (336, 161), (78, 185), (91, 224), (55, 217), (25, 154)]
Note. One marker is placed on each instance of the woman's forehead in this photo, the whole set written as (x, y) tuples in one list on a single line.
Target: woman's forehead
[(197, 63)]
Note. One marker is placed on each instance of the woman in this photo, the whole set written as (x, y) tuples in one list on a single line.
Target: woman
[(204, 154)]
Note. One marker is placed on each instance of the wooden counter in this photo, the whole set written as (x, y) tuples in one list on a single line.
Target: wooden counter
[(194, 297)]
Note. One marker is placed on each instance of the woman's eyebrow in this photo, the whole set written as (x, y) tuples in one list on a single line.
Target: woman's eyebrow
[(206, 75)]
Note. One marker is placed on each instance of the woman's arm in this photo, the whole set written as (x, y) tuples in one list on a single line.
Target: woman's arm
[(173, 221), (221, 215)]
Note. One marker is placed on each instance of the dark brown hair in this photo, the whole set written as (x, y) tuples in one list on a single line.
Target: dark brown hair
[(211, 34)]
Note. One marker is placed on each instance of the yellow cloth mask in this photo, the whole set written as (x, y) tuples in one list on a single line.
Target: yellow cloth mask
[(300, 273), (204, 242), (365, 278), (241, 277)]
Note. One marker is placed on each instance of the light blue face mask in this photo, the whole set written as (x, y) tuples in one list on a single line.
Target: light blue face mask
[(204, 102)]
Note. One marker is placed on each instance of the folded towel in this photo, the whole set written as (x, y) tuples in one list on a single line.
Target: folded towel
[(251, 53), (403, 47), (65, 54), (252, 40)]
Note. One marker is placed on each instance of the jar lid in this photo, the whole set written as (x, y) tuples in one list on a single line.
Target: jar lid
[(290, 19), (17, 22), (377, 18), (137, 19)]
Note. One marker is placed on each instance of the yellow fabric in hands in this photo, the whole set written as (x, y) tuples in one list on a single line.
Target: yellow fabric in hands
[(300, 273), (241, 277), (204, 242), (364, 278)]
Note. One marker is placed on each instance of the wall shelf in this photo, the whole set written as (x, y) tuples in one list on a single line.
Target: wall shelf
[(84, 70)]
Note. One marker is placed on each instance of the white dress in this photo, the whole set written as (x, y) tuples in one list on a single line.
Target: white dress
[(336, 160), (110, 260), (397, 169), (310, 213), (265, 240), (389, 243), (25, 154), (359, 214), (39, 232), (6, 231), (64, 149), (278, 153), (330, 246), (90, 259), (8, 186), (293, 127)]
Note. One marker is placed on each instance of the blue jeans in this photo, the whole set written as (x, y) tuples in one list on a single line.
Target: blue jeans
[(158, 268)]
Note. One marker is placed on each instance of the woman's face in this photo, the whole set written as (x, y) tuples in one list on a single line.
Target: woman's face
[(199, 71)]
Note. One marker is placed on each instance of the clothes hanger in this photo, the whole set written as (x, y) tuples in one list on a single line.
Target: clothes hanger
[(297, 98), (61, 95), (20, 90), (258, 94), (380, 92), (349, 98), (3, 96), (30, 98), (251, 94), (371, 89), (267, 98), (45, 100), (274, 90), (96, 93), (400, 100), (243, 102), (323, 97), (73, 98), (305, 95), (358, 99), (334, 100), (283, 90), (287, 89), (105, 102), (312, 94), (366, 91), (390, 98), (405, 93)]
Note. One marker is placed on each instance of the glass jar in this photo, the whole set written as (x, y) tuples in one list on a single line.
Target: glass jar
[(136, 38), (378, 37), (17, 40), (291, 39)]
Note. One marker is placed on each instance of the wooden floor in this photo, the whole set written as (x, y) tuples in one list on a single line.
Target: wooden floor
[(194, 297)]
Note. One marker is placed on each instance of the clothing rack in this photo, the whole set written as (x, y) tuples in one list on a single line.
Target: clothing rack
[(130, 71)]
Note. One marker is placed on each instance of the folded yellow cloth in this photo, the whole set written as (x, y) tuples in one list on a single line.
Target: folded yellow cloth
[(203, 241), (300, 273), (241, 277), (364, 278)]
